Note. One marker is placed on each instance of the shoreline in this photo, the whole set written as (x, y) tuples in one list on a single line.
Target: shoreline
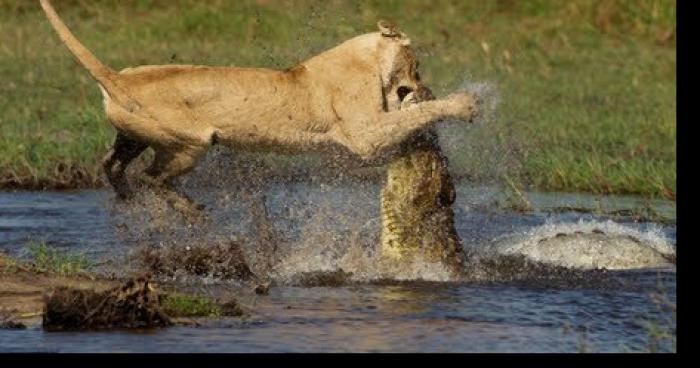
[(23, 293), (370, 175)]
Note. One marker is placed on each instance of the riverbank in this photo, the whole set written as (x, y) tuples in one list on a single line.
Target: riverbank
[(27, 289)]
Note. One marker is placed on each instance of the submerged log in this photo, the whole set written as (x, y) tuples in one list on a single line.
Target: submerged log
[(416, 203)]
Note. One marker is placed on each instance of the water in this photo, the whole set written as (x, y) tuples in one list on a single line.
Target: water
[(430, 318), (410, 316)]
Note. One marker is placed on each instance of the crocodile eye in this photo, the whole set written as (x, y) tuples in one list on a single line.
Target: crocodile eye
[(402, 92)]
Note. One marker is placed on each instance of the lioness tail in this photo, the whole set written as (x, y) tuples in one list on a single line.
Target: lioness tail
[(102, 73)]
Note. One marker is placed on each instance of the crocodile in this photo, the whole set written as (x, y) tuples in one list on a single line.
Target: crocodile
[(416, 202)]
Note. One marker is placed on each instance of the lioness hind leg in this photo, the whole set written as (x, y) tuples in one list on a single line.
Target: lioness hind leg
[(166, 166), (116, 161)]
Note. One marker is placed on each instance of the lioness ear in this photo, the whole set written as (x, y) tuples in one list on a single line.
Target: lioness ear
[(389, 29)]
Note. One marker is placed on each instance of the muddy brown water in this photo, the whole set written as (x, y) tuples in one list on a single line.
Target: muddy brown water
[(318, 221)]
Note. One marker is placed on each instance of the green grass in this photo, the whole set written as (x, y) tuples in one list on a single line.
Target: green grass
[(587, 88), (182, 305), (44, 258)]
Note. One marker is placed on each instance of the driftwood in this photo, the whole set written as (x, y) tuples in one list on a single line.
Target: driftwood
[(132, 305)]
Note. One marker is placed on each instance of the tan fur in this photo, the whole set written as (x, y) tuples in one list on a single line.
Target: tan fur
[(346, 97)]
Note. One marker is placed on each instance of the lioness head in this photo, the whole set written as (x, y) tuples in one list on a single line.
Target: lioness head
[(398, 66)]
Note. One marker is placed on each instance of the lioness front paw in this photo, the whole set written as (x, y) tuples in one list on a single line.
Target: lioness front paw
[(463, 105)]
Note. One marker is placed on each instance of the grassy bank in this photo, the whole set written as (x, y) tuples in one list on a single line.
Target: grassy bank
[(587, 89)]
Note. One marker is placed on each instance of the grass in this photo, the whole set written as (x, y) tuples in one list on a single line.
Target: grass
[(587, 89), (182, 305), (44, 258)]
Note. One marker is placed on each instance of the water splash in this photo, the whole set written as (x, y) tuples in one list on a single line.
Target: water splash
[(304, 215), (589, 245), (489, 97), (322, 229)]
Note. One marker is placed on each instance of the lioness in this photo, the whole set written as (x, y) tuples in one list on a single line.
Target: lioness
[(348, 96)]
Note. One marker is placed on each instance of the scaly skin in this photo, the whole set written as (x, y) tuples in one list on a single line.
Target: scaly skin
[(416, 204)]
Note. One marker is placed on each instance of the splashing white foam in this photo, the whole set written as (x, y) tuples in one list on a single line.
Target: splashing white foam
[(590, 245), (322, 249)]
